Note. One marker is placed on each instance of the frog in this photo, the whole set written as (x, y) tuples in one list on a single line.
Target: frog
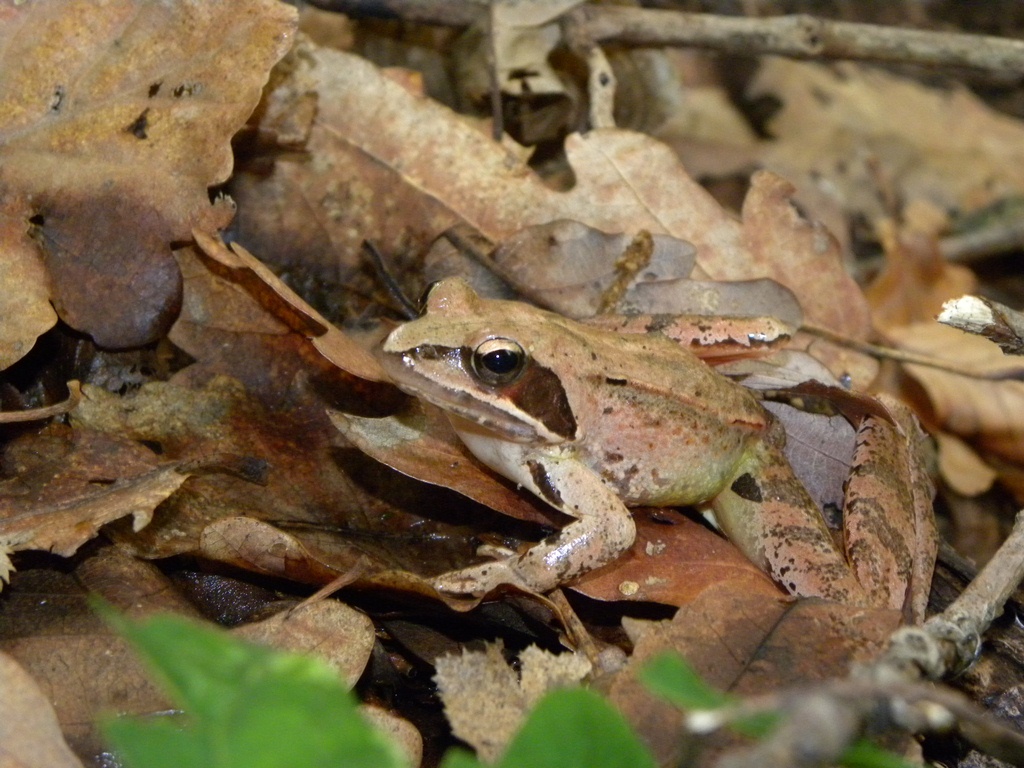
[(593, 420)]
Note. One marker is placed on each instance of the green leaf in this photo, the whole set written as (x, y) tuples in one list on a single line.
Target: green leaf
[(669, 676), (864, 754), (575, 728), (460, 758), (246, 706)]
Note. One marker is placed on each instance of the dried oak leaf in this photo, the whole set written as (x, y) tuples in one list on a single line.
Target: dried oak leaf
[(24, 286), (393, 167), (63, 486), (116, 119), (673, 560), (745, 644), (338, 634), (844, 122), (486, 701), (30, 736)]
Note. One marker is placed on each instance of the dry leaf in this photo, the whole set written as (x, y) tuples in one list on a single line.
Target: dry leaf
[(673, 560), (268, 289), (484, 699), (840, 122), (118, 138), (341, 636), (421, 443), (30, 736), (24, 285), (745, 644), (259, 547), (987, 414), (401, 732), (421, 170), (85, 667), (59, 503), (571, 268)]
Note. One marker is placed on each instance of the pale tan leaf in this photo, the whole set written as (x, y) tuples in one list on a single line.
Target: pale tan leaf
[(30, 736), (961, 467), (418, 169), (485, 701), (842, 122), (117, 138), (987, 414), (24, 285), (338, 634), (59, 504)]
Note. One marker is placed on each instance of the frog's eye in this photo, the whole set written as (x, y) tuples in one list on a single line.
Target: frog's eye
[(498, 361)]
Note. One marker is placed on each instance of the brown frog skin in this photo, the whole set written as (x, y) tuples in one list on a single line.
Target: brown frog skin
[(592, 421)]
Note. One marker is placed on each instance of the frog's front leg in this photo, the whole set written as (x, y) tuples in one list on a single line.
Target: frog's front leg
[(603, 529)]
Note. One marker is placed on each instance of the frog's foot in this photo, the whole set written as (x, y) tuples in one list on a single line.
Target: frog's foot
[(603, 530)]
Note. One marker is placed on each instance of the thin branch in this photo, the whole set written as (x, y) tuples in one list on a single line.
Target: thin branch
[(798, 36), (950, 641), (820, 722)]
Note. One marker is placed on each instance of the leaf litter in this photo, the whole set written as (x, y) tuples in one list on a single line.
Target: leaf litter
[(108, 153)]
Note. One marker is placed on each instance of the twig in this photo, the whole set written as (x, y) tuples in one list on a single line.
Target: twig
[(984, 317), (45, 412), (799, 36), (819, 723), (949, 642), (497, 113)]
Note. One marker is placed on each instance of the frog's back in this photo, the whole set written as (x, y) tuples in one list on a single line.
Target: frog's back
[(655, 421)]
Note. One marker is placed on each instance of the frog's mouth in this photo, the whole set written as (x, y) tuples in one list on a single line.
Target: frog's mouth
[(526, 412)]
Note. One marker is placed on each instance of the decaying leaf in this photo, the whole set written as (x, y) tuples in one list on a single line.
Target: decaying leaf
[(30, 736), (521, 36), (421, 443), (60, 502), (841, 122), (485, 701), (259, 547), (673, 560), (570, 268), (745, 644), (341, 636), (24, 285), (990, 414), (49, 627), (116, 140), (421, 170), (269, 289)]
